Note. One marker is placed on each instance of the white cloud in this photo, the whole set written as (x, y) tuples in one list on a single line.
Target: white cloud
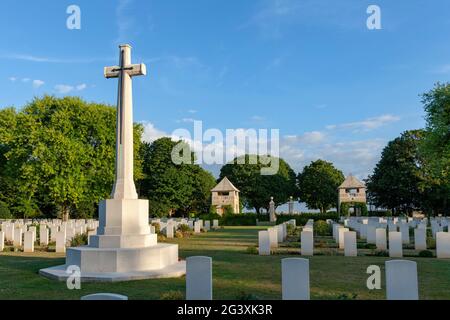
[(357, 157), (26, 79), (64, 88), (81, 87), (151, 133), (12, 79), (367, 124), (351, 156), (312, 137), (192, 111), (32, 58), (257, 118), (186, 120), (38, 83)]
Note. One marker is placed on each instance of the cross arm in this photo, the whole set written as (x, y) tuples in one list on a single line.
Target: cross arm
[(132, 70)]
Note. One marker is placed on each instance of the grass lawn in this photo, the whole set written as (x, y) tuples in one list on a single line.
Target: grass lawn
[(235, 273)]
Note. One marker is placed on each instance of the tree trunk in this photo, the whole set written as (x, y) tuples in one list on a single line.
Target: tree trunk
[(65, 213)]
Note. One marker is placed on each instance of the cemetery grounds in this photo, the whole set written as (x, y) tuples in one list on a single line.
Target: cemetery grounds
[(239, 273)]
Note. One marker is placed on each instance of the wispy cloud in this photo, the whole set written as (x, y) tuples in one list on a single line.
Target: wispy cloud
[(257, 118), (65, 88), (40, 59), (186, 120), (125, 21), (443, 69), (273, 17), (38, 83), (367, 124)]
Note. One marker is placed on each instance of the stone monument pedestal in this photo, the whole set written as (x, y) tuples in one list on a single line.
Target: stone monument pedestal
[(123, 249)]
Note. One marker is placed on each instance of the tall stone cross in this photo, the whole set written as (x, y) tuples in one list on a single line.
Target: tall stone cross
[(124, 187)]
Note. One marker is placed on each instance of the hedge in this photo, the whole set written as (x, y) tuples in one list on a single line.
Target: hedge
[(301, 219)]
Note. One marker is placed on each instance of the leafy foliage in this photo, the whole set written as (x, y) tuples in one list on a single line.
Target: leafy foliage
[(321, 228), (345, 208), (173, 188), (318, 185), (58, 155), (4, 211), (256, 189)]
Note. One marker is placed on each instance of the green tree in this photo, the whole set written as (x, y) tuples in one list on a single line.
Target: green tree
[(170, 187), (256, 189), (318, 183), (58, 154), (395, 181), (435, 147)]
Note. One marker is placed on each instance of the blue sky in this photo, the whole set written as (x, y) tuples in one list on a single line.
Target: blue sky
[(310, 68)]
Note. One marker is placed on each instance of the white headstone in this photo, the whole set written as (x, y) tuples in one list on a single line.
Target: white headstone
[(17, 237), (307, 243), (443, 245), (401, 280), (264, 243), (33, 229), (350, 248), (371, 234), (381, 239), (53, 231), (215, 223), (104, 296), (2, 241), (169, 230), (197, 227), (198, 278), (295, 279), (280, 231), (43, 235), (60, 242), (404, 229), (341, 232), (207, 225), (28, 245), (420, 239), (363, 231), (273, 236), (395, 245)]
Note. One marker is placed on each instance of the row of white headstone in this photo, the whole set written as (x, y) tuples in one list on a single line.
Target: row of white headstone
[(268, 240), (169, 226), (24, 233), (381, 232), (401, 279)]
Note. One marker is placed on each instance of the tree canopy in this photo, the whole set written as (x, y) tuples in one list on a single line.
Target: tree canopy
[(170, 187), (57, 156), (395, 181), (318, 183), (256, 189)]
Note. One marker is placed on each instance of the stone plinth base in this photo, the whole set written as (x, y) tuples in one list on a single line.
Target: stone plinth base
[(173, 271), (123, 248)]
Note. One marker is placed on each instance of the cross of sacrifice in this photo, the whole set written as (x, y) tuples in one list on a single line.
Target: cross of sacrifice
[(124, 187)]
